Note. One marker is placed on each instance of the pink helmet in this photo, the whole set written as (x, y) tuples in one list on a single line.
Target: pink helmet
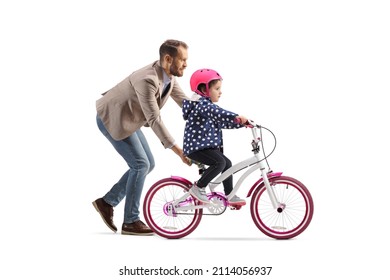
[(203, 76)]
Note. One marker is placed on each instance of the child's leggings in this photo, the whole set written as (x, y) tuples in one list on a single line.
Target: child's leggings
[(217, 163)]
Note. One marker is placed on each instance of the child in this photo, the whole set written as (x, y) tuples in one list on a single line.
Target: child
[(203, 131)]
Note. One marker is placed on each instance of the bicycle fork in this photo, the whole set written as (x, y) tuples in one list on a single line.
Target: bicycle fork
[(255, 145), (270, 190)]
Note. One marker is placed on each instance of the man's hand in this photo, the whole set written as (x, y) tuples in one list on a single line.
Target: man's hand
[(179, 152)]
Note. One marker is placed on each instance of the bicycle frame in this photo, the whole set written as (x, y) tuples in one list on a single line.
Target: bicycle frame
[(255, 161), (258, 164), (280, 206)]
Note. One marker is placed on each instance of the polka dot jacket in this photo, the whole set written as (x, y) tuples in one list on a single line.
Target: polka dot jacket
[(204, 124)]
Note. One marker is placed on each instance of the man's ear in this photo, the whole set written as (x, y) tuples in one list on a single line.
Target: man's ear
[(168, 59)]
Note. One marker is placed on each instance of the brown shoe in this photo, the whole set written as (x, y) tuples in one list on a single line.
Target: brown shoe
[(106, 211), (136, 228)]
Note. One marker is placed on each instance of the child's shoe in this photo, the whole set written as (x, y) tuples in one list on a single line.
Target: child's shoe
[(199, 193), (235, 200)]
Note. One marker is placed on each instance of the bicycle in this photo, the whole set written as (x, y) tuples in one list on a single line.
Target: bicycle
[(281, 207)]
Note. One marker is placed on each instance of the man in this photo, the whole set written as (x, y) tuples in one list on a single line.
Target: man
[(121, 112)]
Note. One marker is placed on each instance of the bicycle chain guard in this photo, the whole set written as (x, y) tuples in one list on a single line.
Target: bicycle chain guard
[(218, 203)]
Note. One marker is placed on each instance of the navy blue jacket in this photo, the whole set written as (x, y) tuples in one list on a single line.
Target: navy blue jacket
[(204, 124)]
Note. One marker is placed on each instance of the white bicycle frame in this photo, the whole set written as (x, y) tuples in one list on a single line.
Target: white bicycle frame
[(258, 163)]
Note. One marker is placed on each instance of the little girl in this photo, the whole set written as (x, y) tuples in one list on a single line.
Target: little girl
[(203, 131)]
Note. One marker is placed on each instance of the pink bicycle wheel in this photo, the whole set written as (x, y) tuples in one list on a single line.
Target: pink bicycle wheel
[(162, 217), (289, 220)]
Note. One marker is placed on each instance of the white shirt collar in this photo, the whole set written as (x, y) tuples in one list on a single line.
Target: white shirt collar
[(166, 79)]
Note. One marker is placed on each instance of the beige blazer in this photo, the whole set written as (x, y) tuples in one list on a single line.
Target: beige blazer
[(136, 102)]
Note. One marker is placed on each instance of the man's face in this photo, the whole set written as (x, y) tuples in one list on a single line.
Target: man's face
[(179, 63)]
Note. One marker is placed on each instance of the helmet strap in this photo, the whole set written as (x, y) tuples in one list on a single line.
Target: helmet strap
[(202, 93)]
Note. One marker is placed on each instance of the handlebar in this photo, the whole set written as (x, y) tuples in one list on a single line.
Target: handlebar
[(251, 124), (248, 123), (257, 140)]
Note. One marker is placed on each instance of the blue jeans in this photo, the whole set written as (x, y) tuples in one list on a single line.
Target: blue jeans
[(136, 152)]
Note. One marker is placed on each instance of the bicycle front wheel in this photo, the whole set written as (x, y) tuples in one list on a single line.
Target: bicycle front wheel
[(160, 214), (291, 219)]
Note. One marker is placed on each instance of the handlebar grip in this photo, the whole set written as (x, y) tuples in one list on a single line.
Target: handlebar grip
[(250, 124)]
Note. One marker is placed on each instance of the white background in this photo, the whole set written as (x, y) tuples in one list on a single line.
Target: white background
[(315, 72)]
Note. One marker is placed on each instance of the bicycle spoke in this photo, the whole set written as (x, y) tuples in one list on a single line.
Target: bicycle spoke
[(163, 216), (294, 217)]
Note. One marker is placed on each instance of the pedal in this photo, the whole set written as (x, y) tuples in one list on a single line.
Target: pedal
[(235, 207)]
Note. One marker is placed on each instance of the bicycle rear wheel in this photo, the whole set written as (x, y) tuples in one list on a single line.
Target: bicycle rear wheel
[(164, 219), (290, 220)]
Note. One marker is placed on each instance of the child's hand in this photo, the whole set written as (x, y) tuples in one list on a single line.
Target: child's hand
[(241, 120)]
